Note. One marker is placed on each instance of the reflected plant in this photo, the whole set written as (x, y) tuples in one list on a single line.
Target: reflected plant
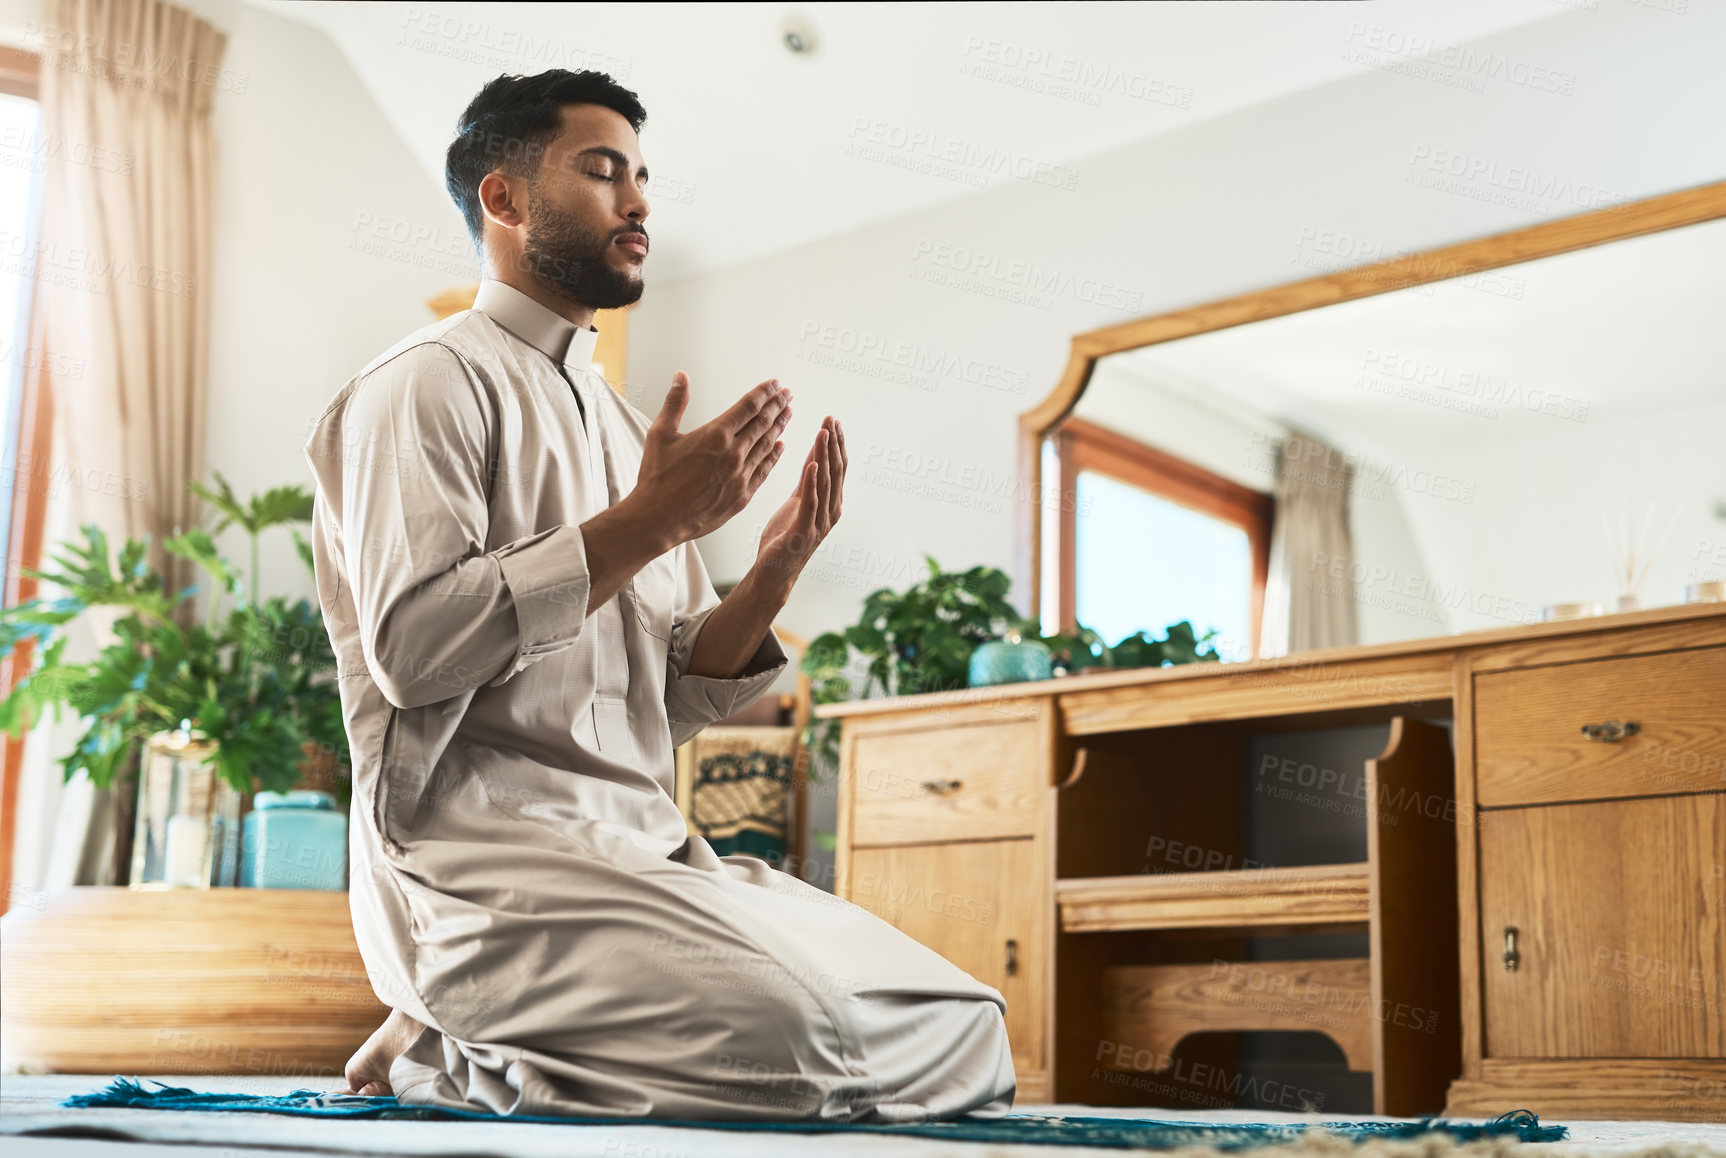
[(1082, 648)]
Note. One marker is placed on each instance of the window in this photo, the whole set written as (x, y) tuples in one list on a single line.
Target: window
[(26, 410), (1152, 540), (20, 187)]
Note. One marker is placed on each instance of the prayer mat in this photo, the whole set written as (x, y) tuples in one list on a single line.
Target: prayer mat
[(1024, 1129)]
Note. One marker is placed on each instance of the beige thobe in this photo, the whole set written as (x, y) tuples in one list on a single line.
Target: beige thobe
[(521, 879)]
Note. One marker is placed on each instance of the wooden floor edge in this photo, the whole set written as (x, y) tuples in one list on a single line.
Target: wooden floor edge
[(1473, 1098), (1580, 1107)]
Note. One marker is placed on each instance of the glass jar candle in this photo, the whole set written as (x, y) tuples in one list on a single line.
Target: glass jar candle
[(188, 828)]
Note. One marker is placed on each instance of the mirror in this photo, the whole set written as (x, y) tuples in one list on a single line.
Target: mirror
[(1478, 439)]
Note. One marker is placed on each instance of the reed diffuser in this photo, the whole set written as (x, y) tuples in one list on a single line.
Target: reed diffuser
[(1627, 544)]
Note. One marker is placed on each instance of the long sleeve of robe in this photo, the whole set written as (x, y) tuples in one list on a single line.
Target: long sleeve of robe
[(521, 881)]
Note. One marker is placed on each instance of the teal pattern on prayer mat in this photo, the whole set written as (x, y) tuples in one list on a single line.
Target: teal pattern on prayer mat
[(1025, 1129)]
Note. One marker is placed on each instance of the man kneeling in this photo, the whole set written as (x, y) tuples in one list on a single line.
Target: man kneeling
[(505, 558)]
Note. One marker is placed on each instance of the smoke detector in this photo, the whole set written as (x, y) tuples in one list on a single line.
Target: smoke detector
[(797, 34)]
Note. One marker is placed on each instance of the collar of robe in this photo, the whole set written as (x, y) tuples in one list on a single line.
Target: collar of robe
[(545, 330)]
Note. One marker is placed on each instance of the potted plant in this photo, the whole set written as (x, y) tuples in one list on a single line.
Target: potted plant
[(243, 701)]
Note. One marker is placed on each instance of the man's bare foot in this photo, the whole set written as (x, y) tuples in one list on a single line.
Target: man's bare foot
[(368, 1071)]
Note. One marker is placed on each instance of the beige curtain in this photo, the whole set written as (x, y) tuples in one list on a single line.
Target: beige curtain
[(123, 273), (1310, 598)]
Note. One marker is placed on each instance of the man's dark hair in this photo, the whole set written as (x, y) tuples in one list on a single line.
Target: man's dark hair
[(509, 123)]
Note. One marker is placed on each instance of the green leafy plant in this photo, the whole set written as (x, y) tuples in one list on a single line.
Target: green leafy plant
[(257, 680), (918, 640)]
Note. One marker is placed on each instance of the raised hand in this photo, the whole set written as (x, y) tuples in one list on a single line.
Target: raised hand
[(696, 481), (735, 630), (789, 540)]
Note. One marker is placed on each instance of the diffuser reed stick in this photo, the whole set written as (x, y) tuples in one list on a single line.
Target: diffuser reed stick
[(1631, 556)]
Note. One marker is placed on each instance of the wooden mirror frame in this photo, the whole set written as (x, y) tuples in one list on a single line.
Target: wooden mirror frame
[(1548, 239)]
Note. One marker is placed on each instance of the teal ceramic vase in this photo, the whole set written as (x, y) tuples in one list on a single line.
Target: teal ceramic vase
[(1009, 662), (294, 840)]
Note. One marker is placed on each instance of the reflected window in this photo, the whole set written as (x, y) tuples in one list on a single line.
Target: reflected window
[(1151, 539)]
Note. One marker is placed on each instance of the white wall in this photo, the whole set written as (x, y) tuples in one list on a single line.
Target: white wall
[(1548, 493), (1188, 217), (1216, 433), (306, 292)]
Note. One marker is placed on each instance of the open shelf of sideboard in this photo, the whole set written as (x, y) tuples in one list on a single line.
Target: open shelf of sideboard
[(1142, 801)]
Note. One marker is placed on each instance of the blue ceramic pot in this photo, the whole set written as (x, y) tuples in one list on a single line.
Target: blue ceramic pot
[(1008, 663), (294, 840)]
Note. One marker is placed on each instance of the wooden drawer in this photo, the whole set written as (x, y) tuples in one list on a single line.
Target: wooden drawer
[(1529, 742), (970, 781)]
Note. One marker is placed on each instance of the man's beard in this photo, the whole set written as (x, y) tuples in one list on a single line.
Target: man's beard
[(573, 261)]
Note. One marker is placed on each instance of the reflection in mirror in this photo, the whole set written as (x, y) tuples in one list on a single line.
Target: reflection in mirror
[(1450, 457), (1198, 547)]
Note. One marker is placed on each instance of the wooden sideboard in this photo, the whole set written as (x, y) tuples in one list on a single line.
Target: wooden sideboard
[(1543, 895)]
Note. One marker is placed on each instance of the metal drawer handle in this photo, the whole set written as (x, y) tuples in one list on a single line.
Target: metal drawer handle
[(1511, 957), (1611, 731), (941, 787), (1012, 958)]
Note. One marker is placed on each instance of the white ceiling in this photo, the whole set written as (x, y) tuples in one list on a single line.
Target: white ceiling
[(751, 141), (1611, 332)]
